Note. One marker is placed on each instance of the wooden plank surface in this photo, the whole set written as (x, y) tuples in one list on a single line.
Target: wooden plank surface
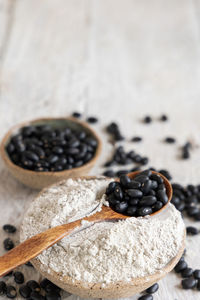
[(119, 60)]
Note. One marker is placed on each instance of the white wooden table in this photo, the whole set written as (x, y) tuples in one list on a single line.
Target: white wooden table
[(119, 60)]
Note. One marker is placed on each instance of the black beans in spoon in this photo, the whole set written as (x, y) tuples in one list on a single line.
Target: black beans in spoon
[(140, 196)]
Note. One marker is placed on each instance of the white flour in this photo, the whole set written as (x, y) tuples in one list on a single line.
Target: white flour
[(104, 252)]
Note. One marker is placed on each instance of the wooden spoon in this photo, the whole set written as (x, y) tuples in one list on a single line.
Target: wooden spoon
[(36, 244)]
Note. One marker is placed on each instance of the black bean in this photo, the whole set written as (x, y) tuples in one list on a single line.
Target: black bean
[(33, 285), (187, 272), (147, 120), (175, 200), (92, 120), (109, 173), (133, 184), (185, 154), (147, 201), (146, 297), (77, 164), (48, 286), (9, 228), (53, 296), (188, 283), (136, 139), (163, 118), (180, 206), (27, 163), (10, 148), (73, 143), (8, 244), (18, 277), (72, 151), (24, 291), (192, 230), (152, 289), (192, 211), (154, 184), (147, 173), (11, 291), (196, 274), (131, 210), (3, 288), (112, 200), (118, 193), (20, 147), (134, 193), (144, 211), (28, 131), (111, 187), (133, 201), (36, 296), (144, 161), (31, 155), (166, 174), (151, 193), (141, 178), (170, 140), (40, 152), (157, 206), (198, 285), (52, 159), (180, 266), (125, 180), (177, 186), (146, 186), (42, 163), (76, 114), (162, 196), (137, 159), (91, 141), (121, 207)]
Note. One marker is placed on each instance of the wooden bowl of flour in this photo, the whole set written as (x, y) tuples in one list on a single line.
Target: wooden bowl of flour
[(38, 180), (118, 289)]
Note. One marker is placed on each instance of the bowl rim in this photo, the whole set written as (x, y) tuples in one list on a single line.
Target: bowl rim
[(18, 126)]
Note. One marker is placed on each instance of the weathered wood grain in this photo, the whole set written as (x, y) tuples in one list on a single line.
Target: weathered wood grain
[(115, 59)]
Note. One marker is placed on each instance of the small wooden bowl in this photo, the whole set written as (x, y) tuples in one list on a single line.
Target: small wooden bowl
[(118, 289), (38, 180)]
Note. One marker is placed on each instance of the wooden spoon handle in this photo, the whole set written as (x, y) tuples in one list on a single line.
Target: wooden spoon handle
[(38, 243), (34, 246)]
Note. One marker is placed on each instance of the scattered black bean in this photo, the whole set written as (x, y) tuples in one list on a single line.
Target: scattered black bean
[(11, 291), (18, 277), (163, 118), (3, 288), (136, 139), (33, 285), (181, 265), (9, 228), (76, 114), (8, 244), (146, 297), (192, 230), (152, 289), (53, 296), (188, 283), (196, 274), (36, 296), (147, 120), (24, 291), (166, 174), (114, 130), (170, 140), (187, 272), (109, 173), (92, 120)]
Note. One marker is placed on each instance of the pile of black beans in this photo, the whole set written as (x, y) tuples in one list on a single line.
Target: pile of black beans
[(141, 196), (121, 157), (32, 290), (46, 149), (187, 199)]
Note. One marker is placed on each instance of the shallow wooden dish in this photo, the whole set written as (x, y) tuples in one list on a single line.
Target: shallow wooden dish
[(118, 289), (38, 180)]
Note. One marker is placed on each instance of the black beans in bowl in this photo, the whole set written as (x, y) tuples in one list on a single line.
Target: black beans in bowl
[(52, 145), (144, 194)]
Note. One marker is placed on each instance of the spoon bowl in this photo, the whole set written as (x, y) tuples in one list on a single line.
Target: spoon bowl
[(38, 180)]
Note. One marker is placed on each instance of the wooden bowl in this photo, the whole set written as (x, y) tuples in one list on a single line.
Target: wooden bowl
[(118, 289), (38, 180)]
